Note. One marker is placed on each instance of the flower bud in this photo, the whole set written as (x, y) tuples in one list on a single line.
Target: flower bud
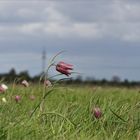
[(17, 98), (25, 83), (97, 112), (4, 86), (64, 68)]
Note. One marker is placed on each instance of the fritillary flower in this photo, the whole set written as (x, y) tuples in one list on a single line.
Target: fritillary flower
[(17, 98), (64, 68), (97, 112), (3, 88), (25, 83)]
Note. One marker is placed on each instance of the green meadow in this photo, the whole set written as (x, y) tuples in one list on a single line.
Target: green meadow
[(67, 113)]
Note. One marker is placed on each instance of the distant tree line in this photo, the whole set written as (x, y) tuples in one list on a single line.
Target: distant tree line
[(12, 76), (115, 81)]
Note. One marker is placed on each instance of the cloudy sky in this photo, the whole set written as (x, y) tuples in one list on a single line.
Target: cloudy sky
[(101, 37)]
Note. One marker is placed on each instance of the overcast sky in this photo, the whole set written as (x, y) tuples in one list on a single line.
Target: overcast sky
[(101, 37)]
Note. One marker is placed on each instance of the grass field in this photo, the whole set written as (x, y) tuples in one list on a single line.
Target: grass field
[(67, 114)]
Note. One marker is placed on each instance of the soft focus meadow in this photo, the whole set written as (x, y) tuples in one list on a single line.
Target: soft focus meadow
[(50, 110), (69, 113)]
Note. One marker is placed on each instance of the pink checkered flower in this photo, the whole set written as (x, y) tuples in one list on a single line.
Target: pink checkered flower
[(3, 88), (64, 68), (17, 98), (97, 112)]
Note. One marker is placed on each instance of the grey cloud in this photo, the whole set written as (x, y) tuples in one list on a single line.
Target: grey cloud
[(22, 12), (100, 11), (67, 19)]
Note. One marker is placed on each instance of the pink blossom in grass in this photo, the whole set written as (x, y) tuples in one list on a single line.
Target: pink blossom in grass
[(47, 83), (25, 83), (64, 68), (97, 112), (17, 98), (3, 88)]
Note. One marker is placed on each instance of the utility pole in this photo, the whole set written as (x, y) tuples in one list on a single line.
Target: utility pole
[(43, 60)]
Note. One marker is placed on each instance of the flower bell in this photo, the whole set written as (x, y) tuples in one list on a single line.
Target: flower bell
[(97, 112), (17, 98), (25, 83), (3, 88), (64, 68)]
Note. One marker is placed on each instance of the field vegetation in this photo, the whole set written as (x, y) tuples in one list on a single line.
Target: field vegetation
[(67, 113)]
